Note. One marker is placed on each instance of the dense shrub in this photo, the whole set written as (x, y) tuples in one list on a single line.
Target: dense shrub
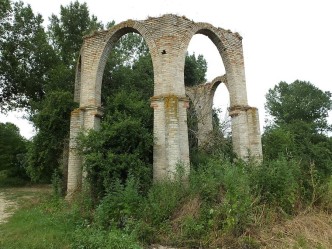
[(278, 183)]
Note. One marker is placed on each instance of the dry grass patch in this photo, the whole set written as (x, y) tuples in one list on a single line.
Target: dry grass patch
[(190, 208), (310, 230)]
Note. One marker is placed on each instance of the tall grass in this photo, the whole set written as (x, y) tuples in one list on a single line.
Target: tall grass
[(223, 204)]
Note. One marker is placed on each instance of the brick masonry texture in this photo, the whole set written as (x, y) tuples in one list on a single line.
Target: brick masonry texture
[(168, 38)]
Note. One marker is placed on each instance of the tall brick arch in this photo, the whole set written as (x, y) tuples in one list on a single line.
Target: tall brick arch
[(168, 38)]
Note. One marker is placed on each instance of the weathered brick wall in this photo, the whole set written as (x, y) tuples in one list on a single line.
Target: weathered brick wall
[(168, 38), (201, 97), (74, 179), (255, 142)]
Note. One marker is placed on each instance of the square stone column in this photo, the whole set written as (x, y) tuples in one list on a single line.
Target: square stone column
[(171, 147), (82, 119)]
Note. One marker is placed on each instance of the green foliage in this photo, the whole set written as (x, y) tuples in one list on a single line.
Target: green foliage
[(194, 70), (57, 183), (128, 51), (5, 10), (192, 122), (52, 122), (25, 58), (300, 112), (228, 201), (90, 238), (136, 77), (223, 204), (325, 197), (299, 141), (67, 30), (122, 146), (278, 183), (226, 205), (161, 202), (123, 200), (237, 200), (283, 141), (37, 71), (219, 141), (13, 149), (299, 101)]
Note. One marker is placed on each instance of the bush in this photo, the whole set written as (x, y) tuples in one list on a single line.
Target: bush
[(123, 145), (161, 201), (277, 183), (119, 206), (91, 238)]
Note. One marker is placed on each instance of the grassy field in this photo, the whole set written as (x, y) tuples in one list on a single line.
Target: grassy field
[(36, 222), (43, 221)]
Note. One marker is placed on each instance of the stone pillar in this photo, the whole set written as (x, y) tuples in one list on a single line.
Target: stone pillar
[(255, 144), (202, 101), (240, 132), (246, 132), (238, 98), (74, 160), (171, 145), (83, 118)]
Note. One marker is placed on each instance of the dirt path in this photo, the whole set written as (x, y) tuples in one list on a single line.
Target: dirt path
[(7, 207), (10, 198)]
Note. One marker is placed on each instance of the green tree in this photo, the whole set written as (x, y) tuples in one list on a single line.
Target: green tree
[(12, 151), (194, 70), (52, 121), (5, 10), (299, 101), (299, 124), (51, 115), (25, 58), (67, 30)]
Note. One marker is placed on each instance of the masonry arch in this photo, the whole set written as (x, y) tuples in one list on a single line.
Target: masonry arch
[(229, 46), (93, 56), (216, 82), (97, 49), (167, 37), (202, 97), (221, 103), (200, 102)]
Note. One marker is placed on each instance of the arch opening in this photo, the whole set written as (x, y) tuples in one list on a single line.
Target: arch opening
[(126, 126), (209, 103), (221, 105)]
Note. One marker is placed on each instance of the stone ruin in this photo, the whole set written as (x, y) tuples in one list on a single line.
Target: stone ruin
[(167, 38)]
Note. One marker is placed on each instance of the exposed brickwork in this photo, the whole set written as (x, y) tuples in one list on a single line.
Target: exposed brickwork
[(245, 120), (74, 180), (168, 38), (201, 97)]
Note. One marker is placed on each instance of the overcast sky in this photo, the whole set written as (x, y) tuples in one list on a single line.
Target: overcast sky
[(283, 40)]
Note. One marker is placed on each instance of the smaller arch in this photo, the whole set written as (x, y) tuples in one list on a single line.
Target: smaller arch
[(216, 82), (201, 97)]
